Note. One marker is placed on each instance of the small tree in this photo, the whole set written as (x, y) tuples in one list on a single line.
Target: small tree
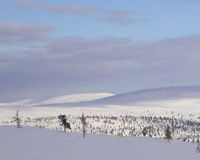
[(144, 131), (172, 125), (198, 145), (63, 122), (168, 134), (17, 120), (83, 121)]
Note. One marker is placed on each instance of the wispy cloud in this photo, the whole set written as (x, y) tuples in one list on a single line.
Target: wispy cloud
[(185, 1), (120, 17), (115, 16), (77, 45), (58, 7), (18, 33)]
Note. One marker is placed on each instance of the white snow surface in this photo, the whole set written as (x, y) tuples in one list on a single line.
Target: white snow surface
[(181, 101), (153, 95), (41, 144), (24, 102), (65, 99), (185, 108), (82, 97)]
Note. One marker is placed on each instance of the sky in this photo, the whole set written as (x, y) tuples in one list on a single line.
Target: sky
[(56, 47)]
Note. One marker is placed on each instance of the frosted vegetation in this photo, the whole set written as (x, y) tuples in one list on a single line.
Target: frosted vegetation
[(128, 125)]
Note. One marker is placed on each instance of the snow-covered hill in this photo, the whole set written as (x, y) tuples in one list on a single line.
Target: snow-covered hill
[(181, 96), (59, 100), (160, 97), (40, 144), (75, 98), (154, 102), (142, 109), (25, 102), (153, 95)]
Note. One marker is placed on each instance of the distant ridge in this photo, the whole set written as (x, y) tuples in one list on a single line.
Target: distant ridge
[(75, 98), (157, 94)]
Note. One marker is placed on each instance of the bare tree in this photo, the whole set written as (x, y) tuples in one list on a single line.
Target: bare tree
[(198, 145), (172, 125), (83, 121), (168, 133), (17, 120)]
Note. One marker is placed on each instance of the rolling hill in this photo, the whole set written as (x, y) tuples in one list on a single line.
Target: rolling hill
[(152, 95)]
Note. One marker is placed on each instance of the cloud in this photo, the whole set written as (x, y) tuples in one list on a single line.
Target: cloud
[(121, 17), (115, 16), (78, 45), (58, 7), (185, 1), (20, 33), (75, 64)]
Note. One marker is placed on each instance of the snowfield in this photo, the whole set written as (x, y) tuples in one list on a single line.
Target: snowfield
[(41, 144), (84, 97), (142, 114), (133, 115), (65, 99)]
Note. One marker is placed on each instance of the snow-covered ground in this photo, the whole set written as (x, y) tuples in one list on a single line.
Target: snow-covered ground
[(64, 99), (153, 95), (182, 108), (184, 101), (141, 114), (41, 144), (84, 97), (152, 109)]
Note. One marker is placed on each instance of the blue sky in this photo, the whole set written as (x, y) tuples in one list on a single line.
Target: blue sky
[(55, 47), (155, 19)]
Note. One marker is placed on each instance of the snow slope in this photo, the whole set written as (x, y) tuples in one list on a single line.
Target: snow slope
[(160, 97), (184, 101), (74, 98), (65, 99), (24, 102), (153, 95), (40, 144), (181, 101), (185, 96)]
